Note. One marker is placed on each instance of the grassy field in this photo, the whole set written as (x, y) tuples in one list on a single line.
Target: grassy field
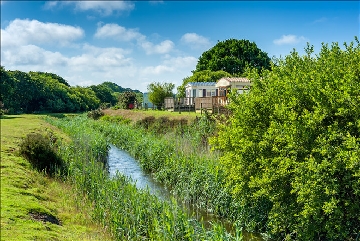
[(34, 206), (136, 115)]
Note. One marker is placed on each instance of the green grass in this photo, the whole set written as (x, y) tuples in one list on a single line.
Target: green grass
[(136, 115), (131, 214), (25, 191)]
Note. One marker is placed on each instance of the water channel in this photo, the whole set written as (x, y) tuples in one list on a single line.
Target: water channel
[(120, 161)]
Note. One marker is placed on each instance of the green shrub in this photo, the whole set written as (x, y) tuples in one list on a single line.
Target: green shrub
[(292, 147), (146, 122), (40, 151), (95, 114)]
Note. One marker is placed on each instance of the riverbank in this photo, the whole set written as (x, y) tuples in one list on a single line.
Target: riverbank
[(34, 206)]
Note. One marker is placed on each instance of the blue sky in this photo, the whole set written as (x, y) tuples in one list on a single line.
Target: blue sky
[(135, 43)]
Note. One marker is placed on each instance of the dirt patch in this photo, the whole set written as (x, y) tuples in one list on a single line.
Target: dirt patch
[(44, 217)]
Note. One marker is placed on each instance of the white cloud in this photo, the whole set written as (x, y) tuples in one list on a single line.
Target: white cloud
[(99, 59), (104, 8), (195, 40), (117, 32), (290, 39), (120, 33), (23, 32), (162, 48), (182, 62), (51, 4), (32, 55), (175, 64), (156, 70), (91, 58)]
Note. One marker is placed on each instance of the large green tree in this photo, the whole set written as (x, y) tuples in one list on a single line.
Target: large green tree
[(201, 76), (159, 91), (233, 56), (104, 93), (291, 149)]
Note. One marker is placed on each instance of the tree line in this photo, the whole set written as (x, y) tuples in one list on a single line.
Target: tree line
[(31, 92)]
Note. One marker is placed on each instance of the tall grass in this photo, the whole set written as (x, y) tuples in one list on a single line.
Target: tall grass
[(129, 213), (192, 176)]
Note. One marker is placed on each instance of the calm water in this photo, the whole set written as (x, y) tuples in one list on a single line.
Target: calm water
[(120, 161)]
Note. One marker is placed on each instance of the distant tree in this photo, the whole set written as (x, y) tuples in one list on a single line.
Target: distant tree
[(126, 99), (52, 76), (159, 91), (117, 88), (233, 56), (104, 93), (201, 76)]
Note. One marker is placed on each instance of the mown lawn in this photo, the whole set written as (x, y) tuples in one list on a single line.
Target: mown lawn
[(29, 198)]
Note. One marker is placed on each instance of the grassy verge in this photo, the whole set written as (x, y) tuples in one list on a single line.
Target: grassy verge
[(33, 206)]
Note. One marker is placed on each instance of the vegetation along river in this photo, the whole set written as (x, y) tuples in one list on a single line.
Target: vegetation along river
[(120, 161)]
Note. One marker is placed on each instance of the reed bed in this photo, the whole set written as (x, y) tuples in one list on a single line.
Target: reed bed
[(129, 213)]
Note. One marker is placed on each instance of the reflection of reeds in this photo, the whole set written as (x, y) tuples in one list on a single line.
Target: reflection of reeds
[(133, 214)]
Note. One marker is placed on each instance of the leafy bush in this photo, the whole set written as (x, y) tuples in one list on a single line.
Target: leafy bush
[(117, 119), (146, 122), (292, 147), (95, 114), (162, 124), (40, 151)]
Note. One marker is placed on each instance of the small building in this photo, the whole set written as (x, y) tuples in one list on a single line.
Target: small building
[(200, 89), (225, 84), (146, 102)]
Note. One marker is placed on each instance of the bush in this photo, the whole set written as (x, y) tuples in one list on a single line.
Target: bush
[(40, 151), (95, 114), (292, 147)]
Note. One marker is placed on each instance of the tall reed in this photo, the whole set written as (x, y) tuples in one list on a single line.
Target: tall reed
[(129, 213)]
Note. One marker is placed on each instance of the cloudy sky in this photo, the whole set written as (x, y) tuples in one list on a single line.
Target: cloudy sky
[(135, 43)]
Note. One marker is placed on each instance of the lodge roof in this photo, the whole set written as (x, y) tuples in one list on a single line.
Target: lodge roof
[(201, 83), (237, 79)]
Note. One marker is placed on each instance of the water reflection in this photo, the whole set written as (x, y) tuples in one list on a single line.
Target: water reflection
[(120, 161)]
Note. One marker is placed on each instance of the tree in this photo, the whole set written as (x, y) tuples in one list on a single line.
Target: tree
[(104, 93), (201, 76), (291, 149), (127, 99), (233, 56), (158, 92)]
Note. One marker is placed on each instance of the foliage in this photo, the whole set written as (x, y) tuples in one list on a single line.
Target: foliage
[(233, 56), (95, 114), (46, 92), (292, 147), (162, 124), (158, 92), (126, 99), (178, 160), (129, 213), (201, 76), (104, 94), (116, 119), (116, 88), (40, 151)]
